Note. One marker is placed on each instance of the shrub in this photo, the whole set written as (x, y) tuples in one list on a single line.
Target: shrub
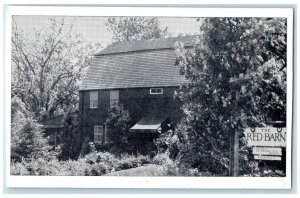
[(168, 166), (127, 161), (167, 142), (118, 124), (93, 164), (27, 139), (97, 169), (97, 157), (38, 166), (161, 158), (70, 137), (86, 147), (73, 168), (143, 159), (18, 168), (130, 161)]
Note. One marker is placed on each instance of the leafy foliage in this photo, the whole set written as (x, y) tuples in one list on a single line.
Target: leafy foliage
[(27, 140), (118, 122), (93, 164), (135, 28), (236, 78), (71, 146), (47, 66)]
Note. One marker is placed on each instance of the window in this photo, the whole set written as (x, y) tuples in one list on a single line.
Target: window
[(107, 136), (156, 91), (114, 97), (101, 134), (98, 134), (94, 99)]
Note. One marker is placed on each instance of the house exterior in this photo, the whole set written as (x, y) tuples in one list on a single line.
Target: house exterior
[(140, 75)]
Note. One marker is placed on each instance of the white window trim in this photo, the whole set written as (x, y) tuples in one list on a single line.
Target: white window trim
[(162, 90)]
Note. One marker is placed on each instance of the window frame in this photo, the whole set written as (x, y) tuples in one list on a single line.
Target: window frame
[(155, 93), (107, 140), (94, 102), (101, 134)]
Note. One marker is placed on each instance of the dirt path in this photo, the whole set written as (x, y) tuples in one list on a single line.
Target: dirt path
[(146, 170)]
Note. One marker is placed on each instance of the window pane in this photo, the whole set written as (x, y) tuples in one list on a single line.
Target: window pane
[(94, 95), (114, 94), (98, 134), (156, 91), (93, 99)]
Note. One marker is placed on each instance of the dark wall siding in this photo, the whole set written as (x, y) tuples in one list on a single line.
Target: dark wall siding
[(91, 117), (139, 102)]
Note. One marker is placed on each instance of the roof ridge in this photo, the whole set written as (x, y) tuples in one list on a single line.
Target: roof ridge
[(142, 45)]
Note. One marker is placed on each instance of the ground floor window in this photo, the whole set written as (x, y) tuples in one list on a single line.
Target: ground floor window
[(101, 134), (98, 134)]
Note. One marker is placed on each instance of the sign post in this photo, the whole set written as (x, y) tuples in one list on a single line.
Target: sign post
[(236, 154)]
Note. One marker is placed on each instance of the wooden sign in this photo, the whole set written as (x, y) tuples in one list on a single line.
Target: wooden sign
[(267, 151), (267, 157), (267, 136)]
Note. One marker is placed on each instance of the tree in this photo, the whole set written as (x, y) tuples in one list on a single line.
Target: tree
[(27, 140), (47, 67), (135, 28), (70, 149), (236, 78), (118, 122)]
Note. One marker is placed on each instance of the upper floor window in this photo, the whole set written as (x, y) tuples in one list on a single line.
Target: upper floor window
[(114, 97), (156, 91), (94, 99)]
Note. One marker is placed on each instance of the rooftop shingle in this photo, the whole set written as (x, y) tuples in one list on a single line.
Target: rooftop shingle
[(132, 64), (140, 45)]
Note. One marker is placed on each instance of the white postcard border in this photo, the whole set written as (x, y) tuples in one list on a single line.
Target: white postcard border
[(151, 182)]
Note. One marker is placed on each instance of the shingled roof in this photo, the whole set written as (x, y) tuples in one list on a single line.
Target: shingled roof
[(133, 64)]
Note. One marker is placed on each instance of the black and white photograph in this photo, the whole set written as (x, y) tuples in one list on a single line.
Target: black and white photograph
[(149, 96)]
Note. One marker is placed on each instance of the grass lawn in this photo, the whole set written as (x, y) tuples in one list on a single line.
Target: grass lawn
[(146, 170)]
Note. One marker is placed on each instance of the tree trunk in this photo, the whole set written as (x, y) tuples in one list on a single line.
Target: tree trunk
[(231, 156), (233, 153)]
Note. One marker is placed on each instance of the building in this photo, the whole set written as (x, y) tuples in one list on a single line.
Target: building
[(140, 75), (53, 129)]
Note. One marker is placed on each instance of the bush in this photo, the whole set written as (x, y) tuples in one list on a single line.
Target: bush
[(73, 168), (38, 166), (143, 159), (70, 149), (130, 161), (93, 164), (161, 158), (118, 124), (97, 169), (171, 167), (27, 140), (18, 168), (98, 157)]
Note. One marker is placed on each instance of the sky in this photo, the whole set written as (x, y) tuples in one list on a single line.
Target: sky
[(93, 29)]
